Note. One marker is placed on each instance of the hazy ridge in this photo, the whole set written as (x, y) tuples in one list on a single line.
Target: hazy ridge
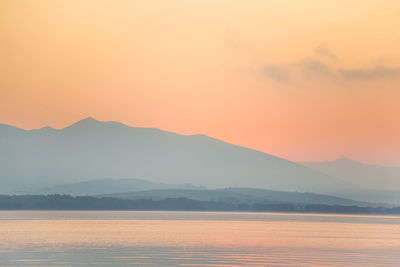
[(90, 149)]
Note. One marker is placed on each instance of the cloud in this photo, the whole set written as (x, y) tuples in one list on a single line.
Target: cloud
[(323, 50), (311, 68), (277, 73), (320, 66), (372, 73)]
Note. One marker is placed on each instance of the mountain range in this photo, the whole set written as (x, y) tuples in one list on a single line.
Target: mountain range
[(91, 149), (378, 183), (370, 176), (65, 160)]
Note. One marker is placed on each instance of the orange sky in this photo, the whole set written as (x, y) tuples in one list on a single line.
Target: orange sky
[(304, 80)]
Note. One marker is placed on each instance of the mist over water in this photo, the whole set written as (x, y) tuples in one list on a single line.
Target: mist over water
[(123, 238)]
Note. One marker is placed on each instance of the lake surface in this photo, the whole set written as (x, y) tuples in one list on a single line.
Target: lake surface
[(162, 238)]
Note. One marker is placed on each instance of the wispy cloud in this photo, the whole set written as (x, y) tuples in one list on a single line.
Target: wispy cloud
[(371, 73), (312, 68), (278, 73), (324, 51), (324, 65)]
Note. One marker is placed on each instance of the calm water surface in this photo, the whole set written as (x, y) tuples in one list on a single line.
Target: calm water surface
[(137, 238)]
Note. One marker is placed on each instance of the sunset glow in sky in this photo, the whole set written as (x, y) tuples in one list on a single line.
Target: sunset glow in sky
[(304, 80)]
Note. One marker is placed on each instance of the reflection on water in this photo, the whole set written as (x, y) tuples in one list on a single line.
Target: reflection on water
[(197, 257), (108, 238)]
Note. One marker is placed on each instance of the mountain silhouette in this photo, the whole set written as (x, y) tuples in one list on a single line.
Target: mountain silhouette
[(367, 175), (239, 195), (109, 186), (91, 149)]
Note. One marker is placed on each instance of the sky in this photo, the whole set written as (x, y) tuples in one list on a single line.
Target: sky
[(305, 80)]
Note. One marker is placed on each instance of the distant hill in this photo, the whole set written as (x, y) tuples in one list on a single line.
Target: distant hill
[(65, 202), (377, 196), (362, 174), (381, 183), (240, 195), (90, 149), (108, 186)]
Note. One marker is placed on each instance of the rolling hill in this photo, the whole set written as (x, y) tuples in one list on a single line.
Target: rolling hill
[(109, 186), (240, 195)]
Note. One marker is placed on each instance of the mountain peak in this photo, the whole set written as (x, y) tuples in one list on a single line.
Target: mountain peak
[(89, 119), (347, 160), (343, 158), (85, 123)]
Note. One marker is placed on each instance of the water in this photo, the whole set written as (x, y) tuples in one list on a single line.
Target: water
[(138, 238)]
